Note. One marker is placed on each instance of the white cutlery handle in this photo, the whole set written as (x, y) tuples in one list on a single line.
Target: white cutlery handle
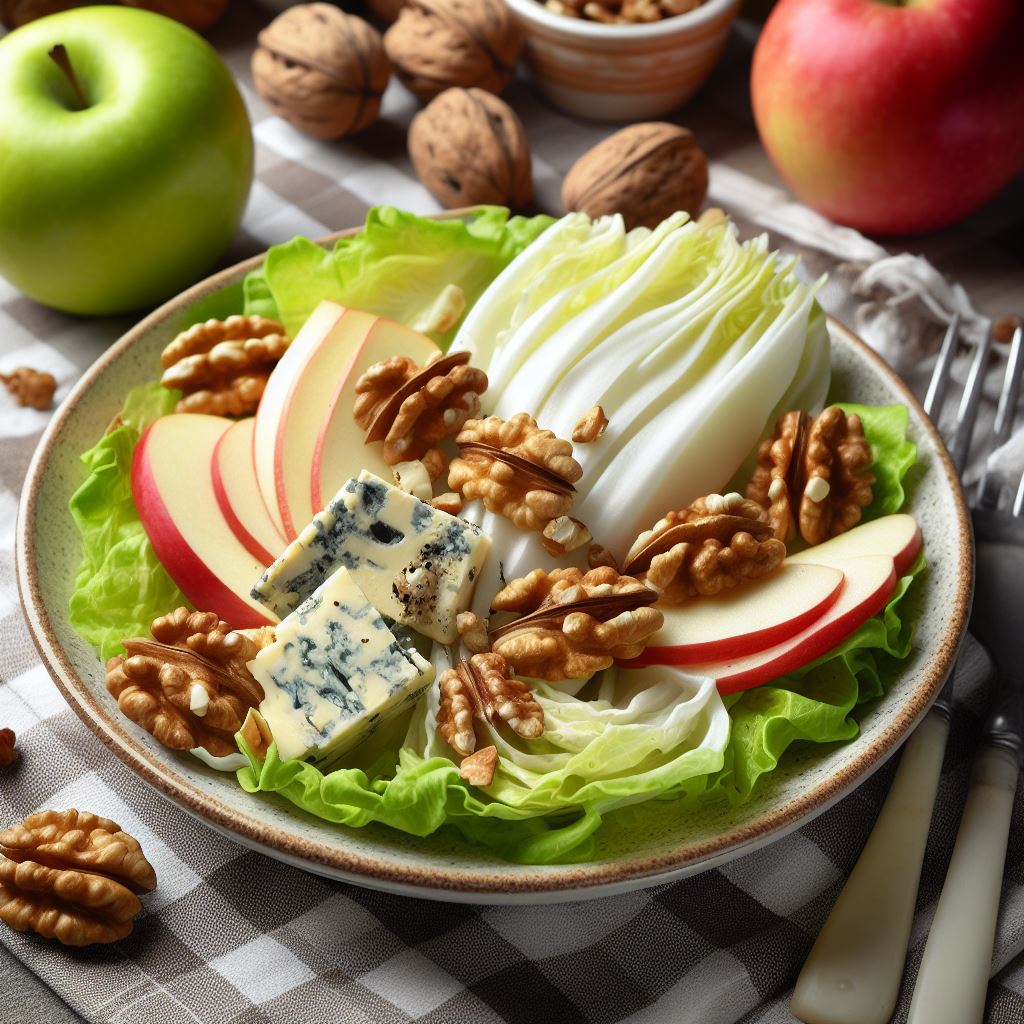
[(953, 978), (853, 972)]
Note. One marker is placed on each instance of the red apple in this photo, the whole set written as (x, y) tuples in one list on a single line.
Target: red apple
[(742, 621), (897, 536), (238, 495), (313, 383), (340, 451), (870, 582), (892, 116), (182, 518)]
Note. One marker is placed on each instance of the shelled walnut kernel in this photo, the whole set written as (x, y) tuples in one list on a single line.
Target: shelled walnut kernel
[(72, 876)]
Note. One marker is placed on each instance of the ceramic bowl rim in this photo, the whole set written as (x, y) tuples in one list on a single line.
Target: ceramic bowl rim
[(533, 11), (468, 884)]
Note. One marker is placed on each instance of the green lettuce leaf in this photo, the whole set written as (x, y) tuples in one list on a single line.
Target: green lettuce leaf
[(396, 267), (885, 427), (120, 586), (608, 755), (816, 703), (419, 797)]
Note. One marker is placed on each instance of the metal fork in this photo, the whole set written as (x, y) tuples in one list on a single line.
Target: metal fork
[(854, 970)]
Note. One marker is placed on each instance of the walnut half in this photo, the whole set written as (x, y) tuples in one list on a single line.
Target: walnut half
[(519, 470), (72, 876), (706, 548), (484, 687), (412, 408), (222, 366), (812, 475), (575, 623), (189, 686)]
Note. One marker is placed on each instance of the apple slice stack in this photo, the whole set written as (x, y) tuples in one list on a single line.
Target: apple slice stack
[(220, 499), (819, 597)]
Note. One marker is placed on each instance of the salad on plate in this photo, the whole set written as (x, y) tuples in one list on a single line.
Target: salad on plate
[(500, 524)]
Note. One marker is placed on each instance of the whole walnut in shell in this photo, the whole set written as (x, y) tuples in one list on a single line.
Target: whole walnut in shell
[(469, 147), (386, 10), (197, 14), (322, 70), (436, 44), (15, 13), (645, 172)]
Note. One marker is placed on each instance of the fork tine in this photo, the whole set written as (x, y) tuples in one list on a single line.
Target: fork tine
[(969, 402), (1018, 502), (939, 384), (1011, 390)]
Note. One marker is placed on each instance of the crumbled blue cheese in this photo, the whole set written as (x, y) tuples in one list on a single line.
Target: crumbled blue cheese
[(416, 565), (334, 673)]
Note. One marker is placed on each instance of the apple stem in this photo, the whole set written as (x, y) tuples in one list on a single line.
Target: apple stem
[(59, 56)]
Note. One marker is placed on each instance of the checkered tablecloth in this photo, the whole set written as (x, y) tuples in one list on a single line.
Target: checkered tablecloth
[(233, 936)]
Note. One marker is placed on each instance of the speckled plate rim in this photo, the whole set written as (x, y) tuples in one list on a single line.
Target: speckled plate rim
[(449, 882)]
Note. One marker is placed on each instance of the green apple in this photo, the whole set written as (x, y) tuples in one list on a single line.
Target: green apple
[(126, 159)]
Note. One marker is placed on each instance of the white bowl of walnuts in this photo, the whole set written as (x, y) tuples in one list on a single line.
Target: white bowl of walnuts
[(622, 60)]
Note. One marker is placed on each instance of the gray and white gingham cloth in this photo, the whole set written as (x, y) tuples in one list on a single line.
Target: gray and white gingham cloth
[(233, 936)]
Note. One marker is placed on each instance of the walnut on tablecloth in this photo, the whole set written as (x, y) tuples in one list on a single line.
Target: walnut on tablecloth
[(15, 13), (72, 876), (438, 44), (8, 752), (469, 147), (31, 388), (322, 70), (645, 172), (197, 14)]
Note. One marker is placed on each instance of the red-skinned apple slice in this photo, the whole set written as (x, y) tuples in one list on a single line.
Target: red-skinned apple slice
[(183, 520), (895, 535), (315, 359), (756, 616), (340, 452), (316, 374), (239, 496), (869, 582)]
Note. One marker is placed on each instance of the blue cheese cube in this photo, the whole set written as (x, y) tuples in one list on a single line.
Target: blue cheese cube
[(334, 673), (415, 564)]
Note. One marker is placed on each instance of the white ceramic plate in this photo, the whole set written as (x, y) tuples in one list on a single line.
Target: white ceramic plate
[(674, 842)]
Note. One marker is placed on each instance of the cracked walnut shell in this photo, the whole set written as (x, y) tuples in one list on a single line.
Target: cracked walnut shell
[(197, 14), (644, 172), (15, 13), (72, 876), (484, 687), (709, 547), (517, 469), (411, 409), (322, 70), (812, 475), (189, 687), (575, 623), (437, 44), (222, 366), (470, 148)]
